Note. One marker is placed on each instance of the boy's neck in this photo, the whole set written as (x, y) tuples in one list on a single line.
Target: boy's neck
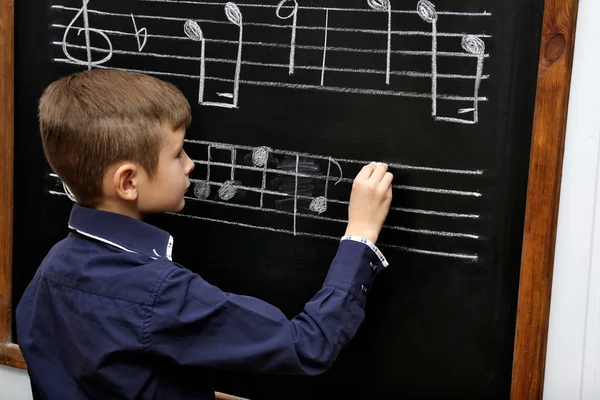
[(128, 210)]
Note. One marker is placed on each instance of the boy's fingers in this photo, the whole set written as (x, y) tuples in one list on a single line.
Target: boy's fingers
[(386, 181), (379, 172), (366, 171)]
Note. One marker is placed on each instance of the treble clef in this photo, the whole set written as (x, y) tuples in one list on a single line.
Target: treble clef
[(90, 63)]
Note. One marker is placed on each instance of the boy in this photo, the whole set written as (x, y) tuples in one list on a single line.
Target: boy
[(108, 315)]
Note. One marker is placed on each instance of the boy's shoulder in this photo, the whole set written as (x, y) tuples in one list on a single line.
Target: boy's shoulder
[(98, 268)]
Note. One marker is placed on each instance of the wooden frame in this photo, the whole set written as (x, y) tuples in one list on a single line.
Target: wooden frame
[(550, 117)]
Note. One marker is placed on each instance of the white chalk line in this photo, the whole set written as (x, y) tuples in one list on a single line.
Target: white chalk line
[(427, 232), (345, 180), (336, 201), (324, 47), (345, 160), (399, 209), (455, 13), (412, 74), (282, 85), (296, 195), (287, 46), (472, 257), (278, 26)]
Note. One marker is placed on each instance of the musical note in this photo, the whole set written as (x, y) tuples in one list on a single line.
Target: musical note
[(474, 45), (193, 31), (296, 194), (427, 12), (137, 34), (202, 188), (234, 15), (384, 5), (325, 46), (89, 62), (294, 16), (219, 86), (260, 158), (228, 190), (319, 204)]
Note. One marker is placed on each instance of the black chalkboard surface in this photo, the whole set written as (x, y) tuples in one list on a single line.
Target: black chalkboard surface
[(289, 100)]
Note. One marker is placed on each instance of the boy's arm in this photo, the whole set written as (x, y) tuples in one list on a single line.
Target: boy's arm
[(197, 324)]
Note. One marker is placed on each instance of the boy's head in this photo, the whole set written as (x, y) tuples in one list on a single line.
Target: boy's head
[(115, 138)]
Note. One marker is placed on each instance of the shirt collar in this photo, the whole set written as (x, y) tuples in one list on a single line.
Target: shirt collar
[(123, 232)]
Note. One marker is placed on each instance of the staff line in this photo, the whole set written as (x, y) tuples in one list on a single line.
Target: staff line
[(334, 89), (471, 257), (287, 46), (399, 187), (218, 145), (454, 13), (427, 232), (267, 25), (412, 74), (399, 209), (320, 177)]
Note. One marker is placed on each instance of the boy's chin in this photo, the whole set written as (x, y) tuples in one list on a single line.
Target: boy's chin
[(180, 206)]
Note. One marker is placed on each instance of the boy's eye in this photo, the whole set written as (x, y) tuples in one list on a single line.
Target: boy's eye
[(180, 153)]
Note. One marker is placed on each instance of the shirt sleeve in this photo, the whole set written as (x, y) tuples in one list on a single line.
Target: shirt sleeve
[(196, 324), (370, 244)]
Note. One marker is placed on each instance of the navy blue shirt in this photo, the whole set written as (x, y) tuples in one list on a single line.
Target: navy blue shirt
[(108, 315)]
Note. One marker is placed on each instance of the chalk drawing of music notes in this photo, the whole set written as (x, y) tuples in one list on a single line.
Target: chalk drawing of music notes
[(349, 72), (260, 158), (427, 12), (194, 32), (228, 189), (474, 45), (325, 47), (144, 31), (319, 204), (294, 15), (385, 6), (202, 188), (83, 12)]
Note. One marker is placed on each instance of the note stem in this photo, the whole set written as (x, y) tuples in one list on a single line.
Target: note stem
[(238, 64), (233, 158), (208, 159), (480, 59), (202, 73), (434, 71), (293, 40), (296, 193), (327, 179), (325, 46), (389, 44)]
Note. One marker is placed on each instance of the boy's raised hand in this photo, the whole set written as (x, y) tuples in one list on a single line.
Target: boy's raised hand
[(370, 201)]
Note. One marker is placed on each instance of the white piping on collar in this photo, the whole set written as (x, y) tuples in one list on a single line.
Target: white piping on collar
[(118, 246), (98, 238)]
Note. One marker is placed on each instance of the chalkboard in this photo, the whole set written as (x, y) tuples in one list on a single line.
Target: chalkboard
[(289, 99)]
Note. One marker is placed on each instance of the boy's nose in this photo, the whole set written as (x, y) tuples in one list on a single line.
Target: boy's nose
[(191, 165)]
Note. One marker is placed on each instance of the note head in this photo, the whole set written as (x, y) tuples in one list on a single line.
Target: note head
[(426, 11)]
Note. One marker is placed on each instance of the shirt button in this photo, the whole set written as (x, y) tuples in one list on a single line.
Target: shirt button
[(365, 289), (373, 267)]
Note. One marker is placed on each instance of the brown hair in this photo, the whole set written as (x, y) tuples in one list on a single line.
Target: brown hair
[(93, 119)]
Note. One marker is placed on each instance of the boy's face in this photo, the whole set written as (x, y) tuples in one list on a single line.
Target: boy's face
[(165, 192)]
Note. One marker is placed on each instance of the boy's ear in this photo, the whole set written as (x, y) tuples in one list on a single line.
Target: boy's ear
[(126, 180)]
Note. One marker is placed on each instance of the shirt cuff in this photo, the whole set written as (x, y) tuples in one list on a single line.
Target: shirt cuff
[(370, 244)]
